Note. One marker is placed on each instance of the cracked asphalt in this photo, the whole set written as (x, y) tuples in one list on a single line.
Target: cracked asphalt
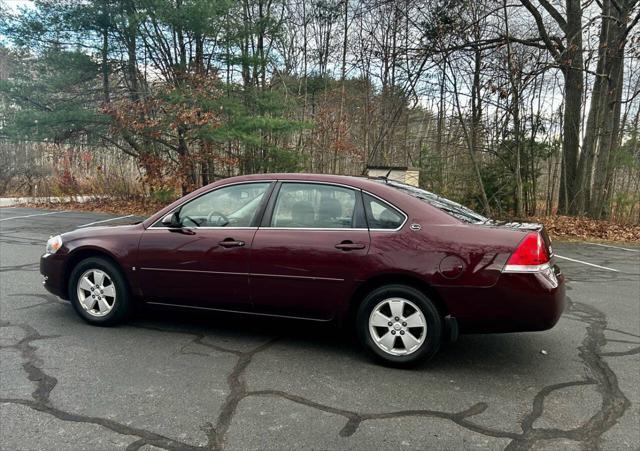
[(174, 380)]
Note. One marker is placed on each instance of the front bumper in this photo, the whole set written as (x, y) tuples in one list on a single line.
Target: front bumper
[(518, 302), (52, 270)]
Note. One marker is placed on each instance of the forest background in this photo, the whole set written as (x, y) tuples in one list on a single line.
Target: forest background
[(514, 107)]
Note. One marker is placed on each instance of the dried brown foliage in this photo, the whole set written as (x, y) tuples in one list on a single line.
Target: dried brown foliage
[(137, 206), (580, 228), (170, 129)]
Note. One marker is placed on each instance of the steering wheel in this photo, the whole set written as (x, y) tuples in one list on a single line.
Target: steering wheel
[(220, 215), (190, 219)]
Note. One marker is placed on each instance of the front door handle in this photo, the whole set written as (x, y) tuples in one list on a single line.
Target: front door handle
[(349, 246), (230, 242)]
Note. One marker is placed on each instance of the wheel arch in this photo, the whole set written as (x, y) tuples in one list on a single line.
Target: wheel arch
[(394, 278), (78, 255)]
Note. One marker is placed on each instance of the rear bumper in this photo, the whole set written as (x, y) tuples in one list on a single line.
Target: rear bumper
[(52, 270), (517, 303)]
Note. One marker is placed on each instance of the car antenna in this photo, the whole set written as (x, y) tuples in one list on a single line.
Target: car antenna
[(386, 177)]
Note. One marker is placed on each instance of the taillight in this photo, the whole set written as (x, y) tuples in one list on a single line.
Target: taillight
[(530, 256)]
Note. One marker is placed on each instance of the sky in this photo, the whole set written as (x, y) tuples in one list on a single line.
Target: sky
[(14, 5)]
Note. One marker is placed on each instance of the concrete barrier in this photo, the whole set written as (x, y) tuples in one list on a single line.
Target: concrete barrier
[(13, 201)]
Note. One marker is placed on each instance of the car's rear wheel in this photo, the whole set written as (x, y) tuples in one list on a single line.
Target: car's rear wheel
[(399, 325), (98, 292)]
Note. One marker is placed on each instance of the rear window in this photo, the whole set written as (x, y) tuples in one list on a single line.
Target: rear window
[(450, 207)]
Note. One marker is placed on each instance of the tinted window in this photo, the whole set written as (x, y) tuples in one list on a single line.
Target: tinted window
[(381, 215), (232, 206), (307, 205)]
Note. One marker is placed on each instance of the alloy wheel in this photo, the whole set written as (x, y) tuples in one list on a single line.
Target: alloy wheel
[(397, 326), (96, 292)]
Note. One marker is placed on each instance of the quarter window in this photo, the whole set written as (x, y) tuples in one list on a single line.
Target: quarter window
[(231, 206), (381, 215), (308, 205)]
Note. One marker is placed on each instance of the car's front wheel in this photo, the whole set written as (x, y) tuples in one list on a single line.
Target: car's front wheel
[(98, 292), (399, 325)]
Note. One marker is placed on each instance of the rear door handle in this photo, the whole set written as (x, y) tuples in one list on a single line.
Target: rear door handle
[(230, 242), (349, 245)]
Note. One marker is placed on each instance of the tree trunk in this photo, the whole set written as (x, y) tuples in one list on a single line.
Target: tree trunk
[(568, 56), (105, 63), (589, 146), (514, 81), (609, 139), (573, 85), (132, 59), (612, 92)]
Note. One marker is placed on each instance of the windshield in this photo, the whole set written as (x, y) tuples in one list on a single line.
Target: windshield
[(448, 206)]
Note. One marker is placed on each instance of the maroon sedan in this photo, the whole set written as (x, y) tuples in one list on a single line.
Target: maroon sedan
[(408, 267)]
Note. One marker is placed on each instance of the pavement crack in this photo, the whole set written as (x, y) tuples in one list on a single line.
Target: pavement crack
[(613, 340), (355, 419), (25, 267), (632, 351), (599, 374), (623, 332), (199, 340), (150, 438), (614, 402), (45, 383), (237, 391), (135, 446), (538, 401), (591, 353), (32, 363), (216, 434)]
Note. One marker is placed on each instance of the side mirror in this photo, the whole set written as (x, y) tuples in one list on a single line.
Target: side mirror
[(172, 220)]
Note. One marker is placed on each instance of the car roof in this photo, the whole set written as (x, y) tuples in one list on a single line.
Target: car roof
[(354, 181)]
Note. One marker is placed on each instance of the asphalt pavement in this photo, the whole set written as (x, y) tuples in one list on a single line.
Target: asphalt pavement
[(175, 380)]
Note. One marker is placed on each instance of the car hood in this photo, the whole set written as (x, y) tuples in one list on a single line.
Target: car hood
[(100, 231)]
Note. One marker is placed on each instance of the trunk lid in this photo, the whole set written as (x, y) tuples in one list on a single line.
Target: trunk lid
[(525, 227)]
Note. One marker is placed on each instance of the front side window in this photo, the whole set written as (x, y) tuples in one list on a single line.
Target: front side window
[(231, 206), (381, 215), (308, 205)]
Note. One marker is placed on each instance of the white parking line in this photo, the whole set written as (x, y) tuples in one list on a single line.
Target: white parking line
[(614, 247), (104, 220), (586, 263), (31, 216)]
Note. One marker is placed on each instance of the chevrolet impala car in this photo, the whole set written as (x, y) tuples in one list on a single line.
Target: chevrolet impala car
[(406, 268)]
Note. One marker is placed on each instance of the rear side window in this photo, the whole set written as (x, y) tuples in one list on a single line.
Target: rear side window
[(381, 215), (309, 205)]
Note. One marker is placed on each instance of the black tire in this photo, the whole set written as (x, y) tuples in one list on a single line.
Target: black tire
[(433, 334), (121, 305)]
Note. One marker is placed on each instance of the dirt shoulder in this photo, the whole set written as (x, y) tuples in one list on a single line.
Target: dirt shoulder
[(137, 207)]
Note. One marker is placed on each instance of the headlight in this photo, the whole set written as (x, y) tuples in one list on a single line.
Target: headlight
[(54, 243)]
